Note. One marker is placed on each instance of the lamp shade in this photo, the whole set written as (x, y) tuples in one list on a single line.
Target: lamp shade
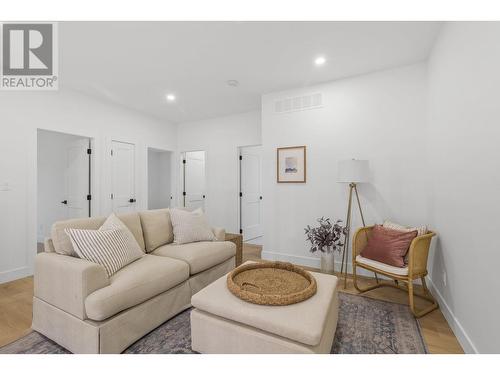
[(353, 170)]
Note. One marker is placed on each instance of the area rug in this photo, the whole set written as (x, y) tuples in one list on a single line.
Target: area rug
[(365, 326)]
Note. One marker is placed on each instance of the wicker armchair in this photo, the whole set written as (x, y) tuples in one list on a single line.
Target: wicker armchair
[(416, 269)]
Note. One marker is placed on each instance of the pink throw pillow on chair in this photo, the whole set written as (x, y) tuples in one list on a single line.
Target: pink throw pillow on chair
[(388, 246)]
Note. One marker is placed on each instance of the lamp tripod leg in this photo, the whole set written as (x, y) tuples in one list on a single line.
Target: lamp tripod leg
[(363, 220), (345, 255)]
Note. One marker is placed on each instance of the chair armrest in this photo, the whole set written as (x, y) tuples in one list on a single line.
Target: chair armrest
[(220, 233), (418, 254), (64, 281), (360, 239)]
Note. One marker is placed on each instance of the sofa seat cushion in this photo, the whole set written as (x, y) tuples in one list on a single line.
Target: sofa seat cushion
[(137, 282), (402, 271), (199, 255)]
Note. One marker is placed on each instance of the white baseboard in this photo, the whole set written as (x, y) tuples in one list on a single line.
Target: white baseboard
[(313, 262), (17, 273), (457, 328)]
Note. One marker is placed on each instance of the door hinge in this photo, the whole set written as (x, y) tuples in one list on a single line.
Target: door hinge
[(89, 197), (241, 157), (241, 194), (241, 231), (112, 196), (89, 151), (184, 193), (183, 161), (111, 152)]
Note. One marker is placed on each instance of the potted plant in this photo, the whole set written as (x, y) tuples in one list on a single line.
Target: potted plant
[(326, 238)]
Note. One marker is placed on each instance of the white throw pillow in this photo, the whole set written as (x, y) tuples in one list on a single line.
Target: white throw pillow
[(190, 226), (421, 230), (113, 245)]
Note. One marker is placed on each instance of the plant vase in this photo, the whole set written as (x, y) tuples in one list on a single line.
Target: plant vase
[(327, 261)]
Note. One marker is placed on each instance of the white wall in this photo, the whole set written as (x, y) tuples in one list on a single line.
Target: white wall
[(464, 155), (21, 113), (160, 179), (220, 138), (379, 117), (51, 179)]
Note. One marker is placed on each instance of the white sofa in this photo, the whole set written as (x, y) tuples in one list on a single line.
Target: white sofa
[(78, 306)]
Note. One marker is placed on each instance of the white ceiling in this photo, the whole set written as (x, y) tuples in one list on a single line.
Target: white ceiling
[(135, 64)]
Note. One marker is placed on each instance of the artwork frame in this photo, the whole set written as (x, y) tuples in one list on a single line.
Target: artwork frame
[(291, 164)]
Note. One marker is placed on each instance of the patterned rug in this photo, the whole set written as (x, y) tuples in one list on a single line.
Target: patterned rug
[(365, 326)]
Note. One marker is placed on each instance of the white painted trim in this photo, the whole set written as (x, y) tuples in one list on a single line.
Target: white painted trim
[(313, 262), (14, 274), (457, 328)]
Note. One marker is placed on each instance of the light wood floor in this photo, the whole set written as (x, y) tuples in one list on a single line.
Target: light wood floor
[(16, 310)]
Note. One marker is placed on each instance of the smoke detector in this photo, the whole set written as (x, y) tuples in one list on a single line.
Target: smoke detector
[(232, 83)]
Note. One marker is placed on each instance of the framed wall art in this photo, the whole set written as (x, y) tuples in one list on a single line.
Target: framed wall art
[(291, 164)]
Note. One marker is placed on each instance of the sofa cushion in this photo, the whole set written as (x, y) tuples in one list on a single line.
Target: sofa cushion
[(157, 228), (134, 284), (402, 271), (191, 226), (62, 243), (199, 255)]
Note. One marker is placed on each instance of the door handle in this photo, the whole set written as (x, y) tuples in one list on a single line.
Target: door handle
[(131, 200), (203, 197), (260, 197), (64, 202)]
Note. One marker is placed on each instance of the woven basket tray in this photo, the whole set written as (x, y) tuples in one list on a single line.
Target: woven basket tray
[(271, 283)]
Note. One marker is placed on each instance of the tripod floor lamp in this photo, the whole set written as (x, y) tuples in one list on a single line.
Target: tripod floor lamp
[(352, 172)]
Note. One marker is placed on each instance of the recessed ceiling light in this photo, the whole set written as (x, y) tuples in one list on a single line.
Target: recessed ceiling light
[(319, 60), (232, 83), (170, 98)]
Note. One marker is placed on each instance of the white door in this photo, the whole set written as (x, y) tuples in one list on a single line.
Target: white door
[(123, 177), (251, 192), (194, 180), (77, 179)]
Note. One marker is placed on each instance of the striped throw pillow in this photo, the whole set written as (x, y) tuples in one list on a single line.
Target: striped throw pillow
[(112, 248)]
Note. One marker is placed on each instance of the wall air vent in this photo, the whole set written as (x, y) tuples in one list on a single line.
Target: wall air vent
[(298, 103)]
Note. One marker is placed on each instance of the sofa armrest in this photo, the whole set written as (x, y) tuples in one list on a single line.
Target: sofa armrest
[(220, 233), (64, 281)]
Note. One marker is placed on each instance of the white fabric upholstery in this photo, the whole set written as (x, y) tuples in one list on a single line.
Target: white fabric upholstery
[(157, 228), (190, 226), (66, 281), (113, 249), (199, 255), (215, 335), (62, 243), (403, 271), (219, 233), (303, 322), (136, 283)]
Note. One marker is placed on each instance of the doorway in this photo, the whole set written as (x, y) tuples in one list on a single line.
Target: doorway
[(64, 169), (159, 178), (193, 180), (251, 194), (123, 196)]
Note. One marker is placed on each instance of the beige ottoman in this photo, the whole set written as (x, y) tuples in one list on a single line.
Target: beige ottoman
[(222, 323)]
